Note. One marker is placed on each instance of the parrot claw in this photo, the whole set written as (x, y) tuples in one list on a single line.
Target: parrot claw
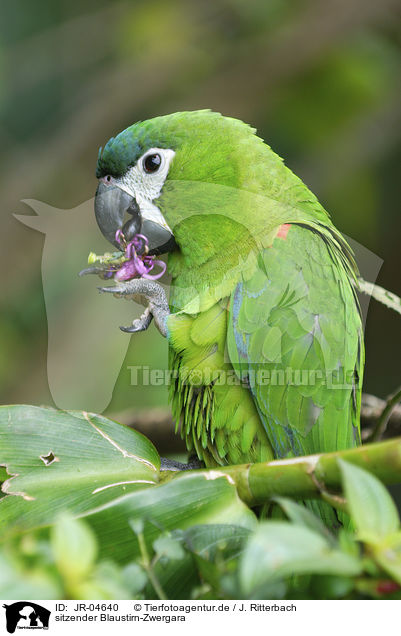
[(139, 324), (91, 270), (148, 293), (111, 290)]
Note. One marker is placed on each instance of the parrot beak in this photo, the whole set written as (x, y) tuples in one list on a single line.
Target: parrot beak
[(161, 240), (113, 205)]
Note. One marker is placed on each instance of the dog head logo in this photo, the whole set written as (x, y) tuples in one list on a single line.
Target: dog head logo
[(26, 615), (85, 346)]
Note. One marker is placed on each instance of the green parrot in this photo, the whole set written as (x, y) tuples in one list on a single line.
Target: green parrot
[(263, 324)]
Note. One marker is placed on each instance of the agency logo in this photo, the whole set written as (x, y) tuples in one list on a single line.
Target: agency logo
[(26, 615), (89, 321)]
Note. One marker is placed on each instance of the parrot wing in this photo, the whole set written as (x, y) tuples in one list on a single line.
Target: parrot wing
[(295, 337)]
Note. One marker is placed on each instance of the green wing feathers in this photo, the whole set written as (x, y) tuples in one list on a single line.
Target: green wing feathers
[(295, 332)]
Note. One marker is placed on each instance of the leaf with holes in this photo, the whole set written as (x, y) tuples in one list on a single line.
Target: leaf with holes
[(60, 460), (106, 473)]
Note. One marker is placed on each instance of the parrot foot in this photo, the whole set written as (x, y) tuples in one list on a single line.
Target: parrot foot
[(92, 270), (170, 464), (139, 324), (148, 293)]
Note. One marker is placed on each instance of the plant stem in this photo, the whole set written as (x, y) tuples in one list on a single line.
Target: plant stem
[(148, 567), (380, 294), (314, 476), (382, 422)]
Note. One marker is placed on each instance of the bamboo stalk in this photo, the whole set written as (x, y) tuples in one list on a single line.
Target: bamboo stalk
[(313, 476)]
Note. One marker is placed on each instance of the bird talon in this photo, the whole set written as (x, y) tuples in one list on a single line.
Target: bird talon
[(133, 329), (141, 323), (111, 290), (92, 270), (148, 293)]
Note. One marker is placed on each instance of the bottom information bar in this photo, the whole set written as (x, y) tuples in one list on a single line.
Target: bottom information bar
[(149, 617)]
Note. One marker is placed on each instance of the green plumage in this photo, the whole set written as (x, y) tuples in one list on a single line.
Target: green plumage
[(265, 336)]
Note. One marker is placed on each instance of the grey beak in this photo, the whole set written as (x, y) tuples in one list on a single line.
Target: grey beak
[(161, 240), (111, 207)]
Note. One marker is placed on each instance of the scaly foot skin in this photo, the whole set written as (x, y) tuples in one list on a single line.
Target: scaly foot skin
[(148, 293)]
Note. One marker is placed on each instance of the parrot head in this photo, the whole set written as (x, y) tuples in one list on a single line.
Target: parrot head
[(180, 180), (205, 189)]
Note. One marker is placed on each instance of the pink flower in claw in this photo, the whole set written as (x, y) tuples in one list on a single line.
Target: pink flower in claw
[(137, 265), (119, 237), (160, 264)]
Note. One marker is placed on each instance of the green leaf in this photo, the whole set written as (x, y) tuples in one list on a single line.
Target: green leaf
[(166, 546), (175, 577), (137, 525), (301, 516), (348, 542), (330, 587), (74, 548), (210, 574), (16, 582), (369, 502), (205, 545), (208, 540), (134, 577), (106, 582), (189, 499), (73, 461), (278, 549), (215, 550), (107, 474), (387, 555)]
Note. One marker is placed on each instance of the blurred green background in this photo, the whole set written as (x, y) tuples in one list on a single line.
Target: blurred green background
[(319, 79)]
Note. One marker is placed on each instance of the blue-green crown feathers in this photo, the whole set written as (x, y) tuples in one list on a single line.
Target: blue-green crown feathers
[(120, 152), (167, 131)]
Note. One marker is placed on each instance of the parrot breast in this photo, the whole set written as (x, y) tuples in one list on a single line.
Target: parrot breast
[(213, 409)]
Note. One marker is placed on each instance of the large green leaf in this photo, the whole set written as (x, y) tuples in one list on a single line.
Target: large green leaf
[(278, 549), (107, 473), (185, 501), (370, 505), (67, 460)]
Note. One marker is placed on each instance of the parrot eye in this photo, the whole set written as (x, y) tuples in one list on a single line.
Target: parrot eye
[(151, 163)]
